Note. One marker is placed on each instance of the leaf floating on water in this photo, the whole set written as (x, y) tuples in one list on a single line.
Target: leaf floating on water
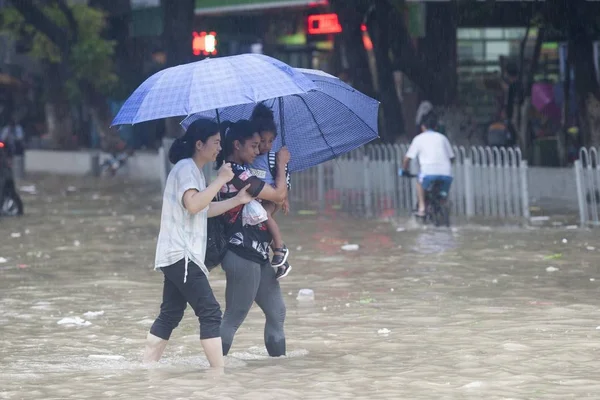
[(554, 256)]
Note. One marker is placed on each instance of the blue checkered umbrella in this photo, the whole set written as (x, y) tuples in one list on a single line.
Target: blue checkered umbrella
[(316, 126), (211, 84)]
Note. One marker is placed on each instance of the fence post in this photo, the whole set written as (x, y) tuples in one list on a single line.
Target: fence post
[(321, 186), (580, 193), (469, 195), (367, 186), (524, 188), (95, 164)]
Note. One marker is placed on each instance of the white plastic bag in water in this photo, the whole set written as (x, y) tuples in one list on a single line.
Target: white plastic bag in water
[(254, 213)]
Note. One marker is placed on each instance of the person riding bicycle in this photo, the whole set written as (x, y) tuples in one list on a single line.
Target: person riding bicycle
[(435, 156)]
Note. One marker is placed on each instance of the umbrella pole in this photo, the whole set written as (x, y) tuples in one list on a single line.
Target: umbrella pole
[(281, 121), (218, 118)]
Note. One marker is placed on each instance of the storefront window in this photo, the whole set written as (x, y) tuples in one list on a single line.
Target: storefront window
[(494, 50), (485, 46), (481, 52)]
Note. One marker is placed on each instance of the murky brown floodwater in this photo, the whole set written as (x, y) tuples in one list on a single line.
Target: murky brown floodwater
[(471, 313)]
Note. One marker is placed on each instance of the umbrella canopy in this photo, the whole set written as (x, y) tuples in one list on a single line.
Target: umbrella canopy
[(316, 126), (210, 84)]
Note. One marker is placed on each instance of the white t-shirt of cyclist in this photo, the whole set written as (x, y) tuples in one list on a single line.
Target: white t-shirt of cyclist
[(434, 153)]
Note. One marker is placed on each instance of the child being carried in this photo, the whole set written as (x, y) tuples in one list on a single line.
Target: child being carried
[(264, 167)]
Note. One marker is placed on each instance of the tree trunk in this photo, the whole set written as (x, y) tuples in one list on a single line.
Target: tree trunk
[(524, 94), (101, 115), (587, 88), (351, 15), (178, 27), (128, 62), (411, 62), (392, 108), (561, 135), (58, 112), (177, 38), (439, 50), (535, 59), (524, 131), (520, 81)]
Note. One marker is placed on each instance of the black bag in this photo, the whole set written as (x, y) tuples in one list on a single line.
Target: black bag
[(216, 243)]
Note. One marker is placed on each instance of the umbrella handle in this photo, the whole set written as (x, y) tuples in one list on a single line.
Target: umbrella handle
[(281, 121)]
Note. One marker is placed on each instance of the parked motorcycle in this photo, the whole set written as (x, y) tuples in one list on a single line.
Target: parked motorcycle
[(10, 201)]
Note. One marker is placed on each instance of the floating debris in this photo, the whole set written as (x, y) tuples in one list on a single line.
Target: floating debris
[(74, 321)]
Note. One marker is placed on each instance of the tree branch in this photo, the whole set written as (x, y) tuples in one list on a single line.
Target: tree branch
[(74, 28), (34, 16)]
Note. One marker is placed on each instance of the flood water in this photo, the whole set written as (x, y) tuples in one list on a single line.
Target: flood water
[(470, 313)]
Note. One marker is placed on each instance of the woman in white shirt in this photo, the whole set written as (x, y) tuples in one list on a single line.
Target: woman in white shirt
[(181, 247)]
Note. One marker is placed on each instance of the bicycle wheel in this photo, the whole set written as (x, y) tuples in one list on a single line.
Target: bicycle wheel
[(443, 215), (440, 213)]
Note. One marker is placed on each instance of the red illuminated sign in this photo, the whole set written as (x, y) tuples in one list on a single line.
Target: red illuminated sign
[(204, 43), (323, 24), (366, 38)]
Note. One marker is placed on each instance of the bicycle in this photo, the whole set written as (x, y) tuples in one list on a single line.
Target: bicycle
[(437, 210)]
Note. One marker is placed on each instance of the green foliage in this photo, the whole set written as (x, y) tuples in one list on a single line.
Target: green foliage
[(91, 57)]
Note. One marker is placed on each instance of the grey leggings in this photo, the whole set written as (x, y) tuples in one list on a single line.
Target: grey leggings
[(248, 282)]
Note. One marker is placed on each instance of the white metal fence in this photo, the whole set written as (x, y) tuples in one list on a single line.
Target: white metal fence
[(587, 177), (489, 182)]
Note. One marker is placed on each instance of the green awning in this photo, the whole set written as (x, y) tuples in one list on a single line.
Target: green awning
[(204, 7)]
